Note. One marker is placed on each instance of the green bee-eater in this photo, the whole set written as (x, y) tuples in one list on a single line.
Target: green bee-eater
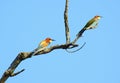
[(90, 25)]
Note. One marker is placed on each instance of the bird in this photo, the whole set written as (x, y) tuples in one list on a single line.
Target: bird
[(91, 24), (42, 45)]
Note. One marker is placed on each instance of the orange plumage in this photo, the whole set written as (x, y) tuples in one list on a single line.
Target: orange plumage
[(43, 44)]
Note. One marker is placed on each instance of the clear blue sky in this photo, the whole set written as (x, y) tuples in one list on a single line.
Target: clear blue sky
[(24, 23)]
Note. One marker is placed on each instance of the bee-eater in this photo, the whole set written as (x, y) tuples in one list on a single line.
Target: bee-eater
[(42, 45), (91, 24)]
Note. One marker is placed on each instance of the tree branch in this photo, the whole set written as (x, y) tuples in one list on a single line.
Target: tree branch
[(25, 55), (14, 74), (67, 32)]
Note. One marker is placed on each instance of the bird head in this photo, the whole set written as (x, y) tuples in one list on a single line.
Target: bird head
[(49, 40), (97, 17)]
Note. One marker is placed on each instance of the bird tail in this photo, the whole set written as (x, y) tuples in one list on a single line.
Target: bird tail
[(80, 32), (37, 50)]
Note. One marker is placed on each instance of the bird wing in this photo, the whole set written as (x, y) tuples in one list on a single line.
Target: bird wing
[(43, 44), (93, 25), (85, 27), (89, 23), (80, 32), (39, 48)]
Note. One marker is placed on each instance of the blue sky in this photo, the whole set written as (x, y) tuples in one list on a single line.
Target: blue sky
[(24, 23)]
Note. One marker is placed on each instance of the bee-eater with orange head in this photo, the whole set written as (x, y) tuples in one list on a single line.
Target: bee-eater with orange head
[(42, 45), (91, 24)]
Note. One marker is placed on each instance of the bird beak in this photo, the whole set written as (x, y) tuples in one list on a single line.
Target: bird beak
[(52, 39)]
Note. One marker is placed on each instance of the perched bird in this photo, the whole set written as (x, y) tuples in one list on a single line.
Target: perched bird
[(90, 24), (42, 45)]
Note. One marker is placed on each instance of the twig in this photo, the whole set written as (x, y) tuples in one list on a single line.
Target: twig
[(14, 74)]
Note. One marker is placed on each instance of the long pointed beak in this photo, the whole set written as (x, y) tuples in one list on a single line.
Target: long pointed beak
[(52, 39)]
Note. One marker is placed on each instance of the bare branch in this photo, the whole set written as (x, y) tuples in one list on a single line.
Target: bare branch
[(13, 66), (24, 55), (67, 32), (14, 74)]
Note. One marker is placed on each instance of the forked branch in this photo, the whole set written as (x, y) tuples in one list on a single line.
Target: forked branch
[(25, 55)]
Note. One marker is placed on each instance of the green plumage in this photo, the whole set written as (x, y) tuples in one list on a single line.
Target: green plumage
[(89, 23)]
